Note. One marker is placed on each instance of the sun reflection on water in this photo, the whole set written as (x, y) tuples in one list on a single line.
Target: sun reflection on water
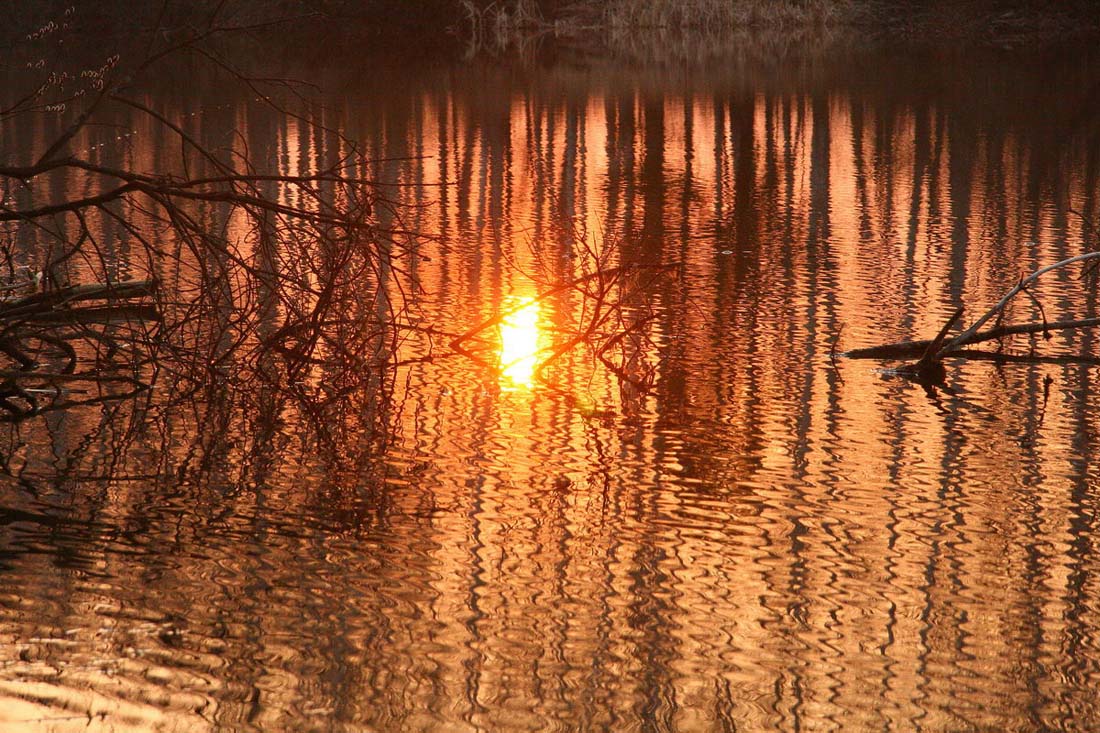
[(519, 342)]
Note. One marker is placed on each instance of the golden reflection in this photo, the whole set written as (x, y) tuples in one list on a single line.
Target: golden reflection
[(519, 341)]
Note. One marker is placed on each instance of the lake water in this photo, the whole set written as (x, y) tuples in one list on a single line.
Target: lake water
[(712, 522)]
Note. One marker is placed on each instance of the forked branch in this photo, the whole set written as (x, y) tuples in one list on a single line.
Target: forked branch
[(932, 352)]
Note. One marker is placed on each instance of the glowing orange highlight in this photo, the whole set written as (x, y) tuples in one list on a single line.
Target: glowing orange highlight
[(519, 342)]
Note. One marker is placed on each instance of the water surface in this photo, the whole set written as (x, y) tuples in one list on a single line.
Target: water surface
[(713, 524)]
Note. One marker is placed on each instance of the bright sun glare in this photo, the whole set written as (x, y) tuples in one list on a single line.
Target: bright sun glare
[(519, 337)]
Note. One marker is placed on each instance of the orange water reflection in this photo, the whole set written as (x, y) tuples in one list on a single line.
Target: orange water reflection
[(767, 540), (519, 341)]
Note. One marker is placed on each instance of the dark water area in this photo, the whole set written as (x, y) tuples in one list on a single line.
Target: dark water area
[(715, 524)]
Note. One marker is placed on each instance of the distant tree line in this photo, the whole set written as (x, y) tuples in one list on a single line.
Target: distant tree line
[(436, 19), (438, 24)]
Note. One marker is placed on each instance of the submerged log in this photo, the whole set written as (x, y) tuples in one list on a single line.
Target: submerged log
[(37, 303), (98, 315)]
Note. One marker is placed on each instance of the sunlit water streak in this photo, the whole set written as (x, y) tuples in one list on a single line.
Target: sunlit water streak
[(519, 341)]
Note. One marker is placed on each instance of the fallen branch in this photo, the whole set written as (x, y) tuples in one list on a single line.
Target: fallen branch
[(965, 336), (94, 377), (913, 349), (97, 315), (39, 303), (931, 352), (998, 357)]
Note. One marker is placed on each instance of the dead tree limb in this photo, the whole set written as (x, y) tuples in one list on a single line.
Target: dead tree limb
[(966, 336), (933, 351), (41, 303), (914, 349)]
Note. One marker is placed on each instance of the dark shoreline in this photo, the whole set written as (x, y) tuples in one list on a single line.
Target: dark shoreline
[(428, 32)]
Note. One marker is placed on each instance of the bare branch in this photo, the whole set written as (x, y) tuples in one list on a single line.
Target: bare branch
[(966, 336)]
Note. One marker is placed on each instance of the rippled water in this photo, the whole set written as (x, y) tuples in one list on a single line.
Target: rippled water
[(770, 538)]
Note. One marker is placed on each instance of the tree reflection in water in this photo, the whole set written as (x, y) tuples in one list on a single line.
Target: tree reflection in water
[(740, 535)]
